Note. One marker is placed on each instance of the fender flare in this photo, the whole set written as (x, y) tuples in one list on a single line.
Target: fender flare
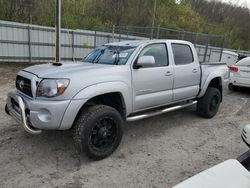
[(207, 81), (105, 88)]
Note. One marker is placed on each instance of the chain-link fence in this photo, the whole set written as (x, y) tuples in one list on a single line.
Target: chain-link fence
[(33, 43), (209, 47)]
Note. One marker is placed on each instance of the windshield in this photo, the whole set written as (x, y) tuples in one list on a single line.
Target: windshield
[(112, 55)]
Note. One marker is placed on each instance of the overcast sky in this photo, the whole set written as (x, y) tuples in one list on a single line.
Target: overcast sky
[(239, 2), (244, 3)]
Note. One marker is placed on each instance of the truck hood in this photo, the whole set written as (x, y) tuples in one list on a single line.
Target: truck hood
[(52, 71)]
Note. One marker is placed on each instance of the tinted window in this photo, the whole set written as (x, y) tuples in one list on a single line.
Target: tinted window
[(158, 51), (182, 54)]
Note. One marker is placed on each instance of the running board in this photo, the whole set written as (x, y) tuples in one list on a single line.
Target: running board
[(147, 115)]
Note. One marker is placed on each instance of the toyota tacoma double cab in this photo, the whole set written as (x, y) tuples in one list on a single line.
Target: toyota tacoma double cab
[(115, 83)]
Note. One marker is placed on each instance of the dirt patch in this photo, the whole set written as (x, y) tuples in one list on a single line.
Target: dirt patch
[(157, 152)]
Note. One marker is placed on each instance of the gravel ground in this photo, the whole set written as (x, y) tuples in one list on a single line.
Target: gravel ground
[(158, 152)]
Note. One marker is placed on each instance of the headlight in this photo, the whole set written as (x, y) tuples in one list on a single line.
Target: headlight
[(52, 87)]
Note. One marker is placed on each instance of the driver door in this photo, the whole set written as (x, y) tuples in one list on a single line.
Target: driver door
[(153, 86)]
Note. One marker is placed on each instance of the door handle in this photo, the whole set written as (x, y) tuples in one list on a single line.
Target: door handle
[(195, 71), (168, 73)]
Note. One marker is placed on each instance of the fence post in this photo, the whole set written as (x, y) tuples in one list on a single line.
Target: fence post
[(222, 47), (196, 38), (95, 39), (183, 35), (127, 31), (108, 38), (206, 49), (113, 33), (72, 45), (29, 44), (119, 37), (158, 32)]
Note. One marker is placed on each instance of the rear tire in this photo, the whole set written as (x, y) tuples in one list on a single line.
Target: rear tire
[(98, 131), (208, 105)]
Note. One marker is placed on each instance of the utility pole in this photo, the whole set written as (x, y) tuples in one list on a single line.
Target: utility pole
[(153, 21), (58, 31)]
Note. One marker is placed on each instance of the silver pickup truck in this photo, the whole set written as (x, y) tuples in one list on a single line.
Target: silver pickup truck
[(117, 82)]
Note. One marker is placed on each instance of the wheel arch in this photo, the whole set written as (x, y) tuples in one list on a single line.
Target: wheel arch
[(120, 88), (215, 82), (112, 99), (98, 94)]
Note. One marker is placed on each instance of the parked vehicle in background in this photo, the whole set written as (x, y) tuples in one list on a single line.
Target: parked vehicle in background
[(229, 174), (240, 74), (117, 82), (241, 56), (229, 57)]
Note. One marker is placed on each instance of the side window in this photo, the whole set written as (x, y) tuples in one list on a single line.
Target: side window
[(159, 52), (182, 54)]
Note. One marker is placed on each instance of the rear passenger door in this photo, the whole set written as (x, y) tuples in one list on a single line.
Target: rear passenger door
[(187, 72)]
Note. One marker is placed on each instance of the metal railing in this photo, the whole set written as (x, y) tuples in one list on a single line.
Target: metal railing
[(209, 47), (33, 43)]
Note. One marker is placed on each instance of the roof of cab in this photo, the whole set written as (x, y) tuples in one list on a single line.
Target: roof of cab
[(141, 42)]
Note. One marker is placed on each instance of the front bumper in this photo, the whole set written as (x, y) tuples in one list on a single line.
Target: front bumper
[(36, 115), (15, 107)]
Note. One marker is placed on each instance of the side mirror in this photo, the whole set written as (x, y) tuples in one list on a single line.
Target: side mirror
[(246, 135), (145, 61)]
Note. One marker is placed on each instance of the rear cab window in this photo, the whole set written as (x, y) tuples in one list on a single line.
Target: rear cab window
[(183, 54)]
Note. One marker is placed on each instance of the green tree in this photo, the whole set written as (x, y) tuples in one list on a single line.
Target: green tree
[(183, 17)]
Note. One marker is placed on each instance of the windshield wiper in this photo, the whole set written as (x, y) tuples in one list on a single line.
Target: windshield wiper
[(117, 57), (96, 60)]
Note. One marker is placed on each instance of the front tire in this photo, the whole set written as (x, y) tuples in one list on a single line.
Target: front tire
[(208, 105), (98, 131)]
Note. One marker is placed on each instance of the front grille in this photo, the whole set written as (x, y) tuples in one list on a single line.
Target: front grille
[(24, 85)]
